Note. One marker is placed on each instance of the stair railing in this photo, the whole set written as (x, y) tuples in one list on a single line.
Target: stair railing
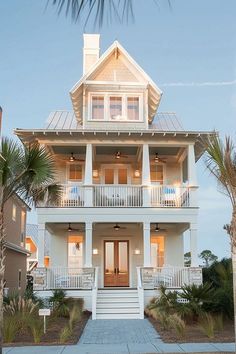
[(140, 293)]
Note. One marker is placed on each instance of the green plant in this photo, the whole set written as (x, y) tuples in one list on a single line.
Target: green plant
[(75, 315), (166, 302), (162, 317), (36, 326), (178, 325), (207, 325), (219, 322), (10, 328), (60, 303), (65, 334)]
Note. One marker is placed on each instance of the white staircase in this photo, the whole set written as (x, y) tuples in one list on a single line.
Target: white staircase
[(117, 304)]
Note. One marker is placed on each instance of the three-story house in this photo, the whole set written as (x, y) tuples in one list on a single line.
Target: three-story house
[(129, 190)]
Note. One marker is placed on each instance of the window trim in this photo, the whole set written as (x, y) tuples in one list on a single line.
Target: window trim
[(124, 96)]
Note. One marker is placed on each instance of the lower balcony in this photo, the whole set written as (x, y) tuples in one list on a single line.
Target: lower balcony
[(160, 196)]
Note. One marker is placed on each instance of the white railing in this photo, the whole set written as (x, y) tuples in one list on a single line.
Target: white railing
[(170, 196), (70, 278), (72, 195), (94, 295), (118, 196), (140, 293), (169, 277)]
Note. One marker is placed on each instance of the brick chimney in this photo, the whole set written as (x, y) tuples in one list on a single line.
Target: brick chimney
[(90, 51)]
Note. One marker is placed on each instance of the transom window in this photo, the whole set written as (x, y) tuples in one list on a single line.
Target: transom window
[(109, 107)]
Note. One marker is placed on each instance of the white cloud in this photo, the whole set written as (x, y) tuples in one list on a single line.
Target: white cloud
[(199, 84)]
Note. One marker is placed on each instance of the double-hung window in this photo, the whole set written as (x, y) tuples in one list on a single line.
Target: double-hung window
[(97, 107), (132, 108), (115, 108)]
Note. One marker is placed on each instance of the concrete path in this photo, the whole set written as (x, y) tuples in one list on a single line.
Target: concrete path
[(123, 337)]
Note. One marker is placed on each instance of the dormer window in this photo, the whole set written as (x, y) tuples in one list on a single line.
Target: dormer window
[(110, 107), (97, 107), (115, 107)]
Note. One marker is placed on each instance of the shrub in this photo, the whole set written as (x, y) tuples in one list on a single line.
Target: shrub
[(207, 325), (10, 328), (20, 305), (60, 303), (65, 334), (75, 315), (166, 302), (219, 323), (36, 327), (178, 325), (163, 318)]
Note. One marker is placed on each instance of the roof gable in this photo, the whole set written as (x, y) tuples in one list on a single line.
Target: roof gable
[(100, 70)]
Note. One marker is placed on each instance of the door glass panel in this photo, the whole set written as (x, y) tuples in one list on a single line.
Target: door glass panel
[(75, 252), (109, 176), (156, 174), (123, 257), (109, 257), (157, 251), (122, 176)]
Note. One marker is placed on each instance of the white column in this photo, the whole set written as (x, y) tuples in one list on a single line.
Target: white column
[(146, 245), (193, 245), (88, 244), (192, 176), (146, 175), (88, 176), (41, 244)]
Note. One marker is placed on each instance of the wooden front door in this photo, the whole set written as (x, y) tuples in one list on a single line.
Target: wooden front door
[(116, 263)]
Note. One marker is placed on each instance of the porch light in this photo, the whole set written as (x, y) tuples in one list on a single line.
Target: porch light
[(137, 251), (136, 173), (95, 251), (157, 228), (117, 227), (72, 158), (95, 173)]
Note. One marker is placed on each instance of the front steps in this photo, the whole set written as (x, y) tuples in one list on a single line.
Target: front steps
[(117, 304)]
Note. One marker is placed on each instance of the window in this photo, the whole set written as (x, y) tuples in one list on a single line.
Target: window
[(19, 278), (97, 107), (156, 174), (75, 172), (13, 212), (133, 108), (115, 108)]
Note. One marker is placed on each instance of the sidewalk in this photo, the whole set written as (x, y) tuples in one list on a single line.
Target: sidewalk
[(123, 337)]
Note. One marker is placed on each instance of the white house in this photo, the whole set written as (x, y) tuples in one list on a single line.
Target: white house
[(129, 190)]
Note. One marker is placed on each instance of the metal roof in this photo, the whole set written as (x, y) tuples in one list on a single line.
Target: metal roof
[(65, 120)]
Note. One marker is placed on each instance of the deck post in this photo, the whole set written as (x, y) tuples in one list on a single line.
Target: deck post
[(193, 245), (88, 244), (192, 175), (146, 176), (146, 245), (41, 244)]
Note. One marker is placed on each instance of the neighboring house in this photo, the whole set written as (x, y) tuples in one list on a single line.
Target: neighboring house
[(31, 244), (15, 211), (129, 190)]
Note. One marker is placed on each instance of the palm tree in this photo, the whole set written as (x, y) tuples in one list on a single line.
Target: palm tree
[(28, 171), (221, 161)]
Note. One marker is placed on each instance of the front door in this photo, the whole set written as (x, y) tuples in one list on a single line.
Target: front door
[(116, 263)]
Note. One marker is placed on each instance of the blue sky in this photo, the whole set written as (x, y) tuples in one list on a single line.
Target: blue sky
[(189, 51)]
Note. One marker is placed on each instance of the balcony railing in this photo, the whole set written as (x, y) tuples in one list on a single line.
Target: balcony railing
[(70, 278), (75, 195), (170, 277)]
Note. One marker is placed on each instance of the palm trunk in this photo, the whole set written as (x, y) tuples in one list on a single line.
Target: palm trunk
[(2, 270)]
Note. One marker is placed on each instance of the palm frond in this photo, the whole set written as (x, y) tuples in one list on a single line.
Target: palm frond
[(118, 10)]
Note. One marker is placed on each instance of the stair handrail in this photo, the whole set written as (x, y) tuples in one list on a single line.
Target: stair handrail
[(94, 294), (140, 293)]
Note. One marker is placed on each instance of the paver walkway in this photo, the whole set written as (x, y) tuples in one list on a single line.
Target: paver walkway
[(123, 337)]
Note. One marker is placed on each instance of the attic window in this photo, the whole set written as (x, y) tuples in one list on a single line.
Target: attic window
[(98, 107), (133, 108), (115, 107)]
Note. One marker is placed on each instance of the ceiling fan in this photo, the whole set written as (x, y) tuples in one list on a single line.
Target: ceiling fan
[(117, 227), (119, 155), (70, 229), (157, 228), (72, 158), (158, 159)]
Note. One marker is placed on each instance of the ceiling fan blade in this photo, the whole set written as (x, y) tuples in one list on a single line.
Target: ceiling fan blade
[(162, 160), (80, 160)]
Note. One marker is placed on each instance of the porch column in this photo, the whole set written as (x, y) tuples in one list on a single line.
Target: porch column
[(88, 176), (193, 245), (88, 244), (192, 176), (146, 175), (146, 245), (41, 244)]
